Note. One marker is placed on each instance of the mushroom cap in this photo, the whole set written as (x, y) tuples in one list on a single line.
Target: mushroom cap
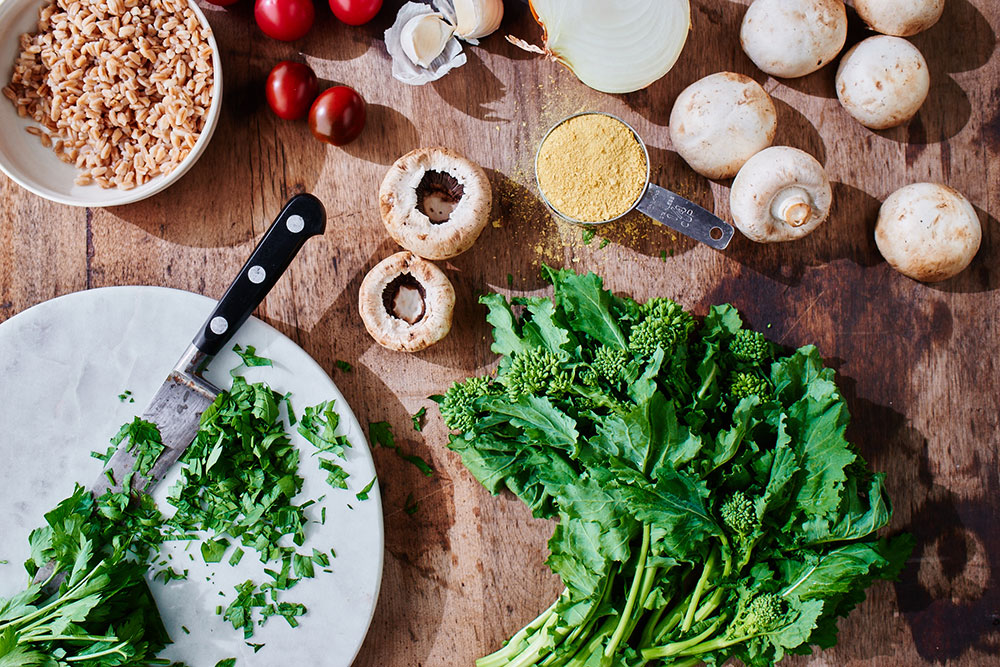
[(393, 332), (901, 18), (883, 81), (792, 38), (719, 122), (401, 198), (773, 179), (928, 231)]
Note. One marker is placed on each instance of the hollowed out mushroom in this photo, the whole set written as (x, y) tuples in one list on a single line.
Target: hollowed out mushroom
[(406, 303), (435, 202), (780, 194)]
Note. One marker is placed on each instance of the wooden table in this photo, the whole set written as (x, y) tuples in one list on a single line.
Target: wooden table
[(918, 363)]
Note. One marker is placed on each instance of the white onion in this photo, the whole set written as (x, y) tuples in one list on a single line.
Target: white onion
[(615, 46)]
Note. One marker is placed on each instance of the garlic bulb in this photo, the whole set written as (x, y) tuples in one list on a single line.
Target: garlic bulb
[(477, 18), (424, 37), (615, 46)]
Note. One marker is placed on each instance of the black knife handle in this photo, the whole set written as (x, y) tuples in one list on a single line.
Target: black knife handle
[(302, 218)]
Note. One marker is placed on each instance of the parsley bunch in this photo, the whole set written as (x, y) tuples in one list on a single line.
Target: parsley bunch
[(708, 504)]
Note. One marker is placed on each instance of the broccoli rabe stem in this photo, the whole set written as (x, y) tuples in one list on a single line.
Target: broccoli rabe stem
[(699, 590), (682, 648), (625, 620), (520, 640)]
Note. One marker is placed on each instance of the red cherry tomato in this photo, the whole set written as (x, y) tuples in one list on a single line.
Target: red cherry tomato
[(355, 12), (337, 116), (287, 20), (290, 89)]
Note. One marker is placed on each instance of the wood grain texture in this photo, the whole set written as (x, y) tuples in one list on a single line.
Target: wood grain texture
[(918, 363)]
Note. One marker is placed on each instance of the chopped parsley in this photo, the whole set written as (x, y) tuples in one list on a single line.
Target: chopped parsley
[(418, 420)]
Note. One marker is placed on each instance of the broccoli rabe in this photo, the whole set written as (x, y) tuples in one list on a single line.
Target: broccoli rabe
[(664, 324), (535, 372), (743, 385), (750, 346), (739, 515), (458, 407), (608, 365)]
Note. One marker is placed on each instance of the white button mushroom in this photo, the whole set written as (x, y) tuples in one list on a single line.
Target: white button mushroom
[(928, 232), (901, 18), (435, 202), (780, 194), (883, 81), (720, 122), (406, 303), (792, 38)]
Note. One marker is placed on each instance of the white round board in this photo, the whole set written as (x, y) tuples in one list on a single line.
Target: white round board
[(63, 365)]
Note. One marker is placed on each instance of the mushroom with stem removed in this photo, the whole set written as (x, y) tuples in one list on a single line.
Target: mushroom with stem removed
[(928, 231), (435, 202), (406, 303), (780, 194), (883, 81), (793, 38), (902, 18), (719, 122)]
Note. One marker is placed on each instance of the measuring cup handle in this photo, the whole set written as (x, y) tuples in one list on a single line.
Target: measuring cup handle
[(685, 217)]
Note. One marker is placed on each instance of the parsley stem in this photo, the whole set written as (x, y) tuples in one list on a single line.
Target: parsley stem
[(679, 648), (633, 595), (91, 656)]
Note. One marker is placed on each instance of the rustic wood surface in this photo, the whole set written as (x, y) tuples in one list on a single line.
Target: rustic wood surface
[(918, 363)]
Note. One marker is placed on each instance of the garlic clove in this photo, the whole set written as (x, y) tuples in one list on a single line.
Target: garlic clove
[(424, 38), (477, 18)]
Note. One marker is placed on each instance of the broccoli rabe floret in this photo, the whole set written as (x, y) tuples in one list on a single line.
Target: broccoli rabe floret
[(536, 372), (748, 384), (458, 409), (750, 346), (764, 613), (608, 365), (739, 515), (664, 324)]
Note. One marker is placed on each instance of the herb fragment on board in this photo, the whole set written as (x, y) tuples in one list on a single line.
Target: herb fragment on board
[(343, 366), (249, 358), (126, 396), (411, 505), (363, 493), (587, 236), (143, 442), (381, 434), (604, 243), (226, 662), (418, 419)]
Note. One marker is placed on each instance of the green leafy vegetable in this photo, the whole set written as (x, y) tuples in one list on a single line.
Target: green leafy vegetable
[(708, 504), (418, 419), (249, 358)]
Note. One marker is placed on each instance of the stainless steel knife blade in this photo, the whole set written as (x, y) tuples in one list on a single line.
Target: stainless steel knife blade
[(176, 411)]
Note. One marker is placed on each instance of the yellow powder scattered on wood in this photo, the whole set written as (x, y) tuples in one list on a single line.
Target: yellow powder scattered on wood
[(591, 168)]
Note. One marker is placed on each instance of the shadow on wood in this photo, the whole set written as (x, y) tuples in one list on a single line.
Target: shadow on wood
[(388, 134), (474, 91)]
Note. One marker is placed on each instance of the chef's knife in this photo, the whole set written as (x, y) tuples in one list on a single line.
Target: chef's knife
[(177, 405)]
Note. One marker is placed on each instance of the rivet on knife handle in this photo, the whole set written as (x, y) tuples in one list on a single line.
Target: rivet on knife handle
[(303, 217)]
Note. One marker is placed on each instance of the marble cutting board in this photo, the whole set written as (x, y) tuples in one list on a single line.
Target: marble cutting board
[(63, 365)]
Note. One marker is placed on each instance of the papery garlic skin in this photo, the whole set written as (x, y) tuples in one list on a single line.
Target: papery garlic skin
[(477, 18), (424, 38)]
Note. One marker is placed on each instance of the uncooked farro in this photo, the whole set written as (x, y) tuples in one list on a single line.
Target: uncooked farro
[(120, 88)]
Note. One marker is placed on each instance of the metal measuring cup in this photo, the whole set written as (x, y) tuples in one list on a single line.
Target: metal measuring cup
[(660, 204)]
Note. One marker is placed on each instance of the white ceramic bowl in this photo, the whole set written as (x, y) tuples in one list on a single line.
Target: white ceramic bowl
[(33, 166)]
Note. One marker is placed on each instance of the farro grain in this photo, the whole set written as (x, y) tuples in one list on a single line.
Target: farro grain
[(121, 85)]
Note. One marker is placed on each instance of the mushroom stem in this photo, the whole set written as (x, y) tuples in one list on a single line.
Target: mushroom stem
[(793, 205)]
